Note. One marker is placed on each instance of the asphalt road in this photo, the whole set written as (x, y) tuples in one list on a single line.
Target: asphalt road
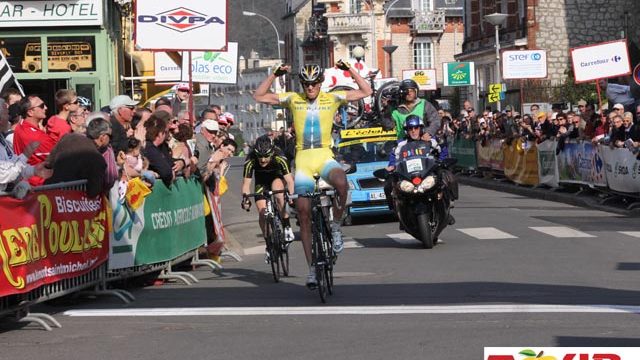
[(513, 271)]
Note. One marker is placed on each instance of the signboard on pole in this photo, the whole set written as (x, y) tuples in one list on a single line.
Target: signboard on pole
[(524, 64), (197, 25), (219, 67), (426, 78), (600, 61), (459, 73), (165, 69)]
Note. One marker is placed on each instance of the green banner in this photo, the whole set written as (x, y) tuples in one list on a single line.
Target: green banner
[(168, 224), (465, 151), (459, 74)]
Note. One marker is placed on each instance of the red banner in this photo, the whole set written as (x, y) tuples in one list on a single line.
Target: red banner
[(49, 236)]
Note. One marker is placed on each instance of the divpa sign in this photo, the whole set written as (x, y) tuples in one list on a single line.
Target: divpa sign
[(185, 25), (180, 19)]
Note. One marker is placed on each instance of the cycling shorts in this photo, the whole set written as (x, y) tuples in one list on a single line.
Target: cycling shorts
[(313, 161)]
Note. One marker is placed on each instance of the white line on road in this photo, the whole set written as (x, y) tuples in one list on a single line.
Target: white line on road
[(403, 238), (631, 233), (355, 310), (487, 233), (561, 232)]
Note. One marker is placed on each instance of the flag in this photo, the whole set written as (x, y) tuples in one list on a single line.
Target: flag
[(7, 77)]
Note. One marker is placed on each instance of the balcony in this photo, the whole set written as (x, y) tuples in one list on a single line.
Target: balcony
[(428, 22), (348, 23)]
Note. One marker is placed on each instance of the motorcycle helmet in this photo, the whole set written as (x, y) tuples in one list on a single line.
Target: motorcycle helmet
[(413, 121), (311, 73), (263, 147), (407, 84)]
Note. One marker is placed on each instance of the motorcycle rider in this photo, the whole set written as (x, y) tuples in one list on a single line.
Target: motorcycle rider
[(411, 104), (414, 130)]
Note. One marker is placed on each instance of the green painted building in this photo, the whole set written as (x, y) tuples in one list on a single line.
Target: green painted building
[(76, 44)]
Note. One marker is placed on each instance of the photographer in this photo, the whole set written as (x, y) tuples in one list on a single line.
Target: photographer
[(410, 104)]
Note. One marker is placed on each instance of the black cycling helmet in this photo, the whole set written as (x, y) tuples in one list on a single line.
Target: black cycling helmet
[(263, 147), (413, 121), (311, 73), (407, 84)]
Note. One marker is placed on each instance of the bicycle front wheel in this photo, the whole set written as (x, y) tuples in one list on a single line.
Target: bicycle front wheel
[(318, 255), (273, 247)]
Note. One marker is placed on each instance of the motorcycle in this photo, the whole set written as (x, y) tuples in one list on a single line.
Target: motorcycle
[(420, 197)]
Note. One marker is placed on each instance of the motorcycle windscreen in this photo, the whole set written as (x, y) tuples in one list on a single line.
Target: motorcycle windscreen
[(415, 158)]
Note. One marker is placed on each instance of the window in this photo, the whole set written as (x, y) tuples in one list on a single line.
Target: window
[(355, 6), (424, 5), (422, 55), (353, 46), (22, 54), (71, 54)]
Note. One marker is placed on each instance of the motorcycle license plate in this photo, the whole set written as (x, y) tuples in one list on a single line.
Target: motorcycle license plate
[(414, 165), (377, 195)]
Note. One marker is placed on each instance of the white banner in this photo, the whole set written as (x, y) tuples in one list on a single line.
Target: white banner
[(25, 14), (600, 61), (561, 353), (198, 25), (212, 66), (426, 78), (524, 64), (335, 77), (166, 70), (622, 168)]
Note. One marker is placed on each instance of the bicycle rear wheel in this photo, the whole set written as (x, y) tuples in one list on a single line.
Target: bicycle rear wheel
[(385, 91)]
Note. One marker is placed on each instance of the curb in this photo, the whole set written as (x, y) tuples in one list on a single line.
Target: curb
[(586, 201)]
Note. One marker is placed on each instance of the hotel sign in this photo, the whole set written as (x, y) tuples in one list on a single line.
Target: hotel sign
[(50, 13)]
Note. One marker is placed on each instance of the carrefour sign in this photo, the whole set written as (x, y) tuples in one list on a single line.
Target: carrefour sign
[(181, 25), (600, 61), (524, 64)]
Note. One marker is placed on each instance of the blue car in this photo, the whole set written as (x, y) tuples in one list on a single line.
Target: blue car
[(366, 192)]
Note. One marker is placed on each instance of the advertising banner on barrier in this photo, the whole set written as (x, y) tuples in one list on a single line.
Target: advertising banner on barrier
[(465, 151), (50, 236), (521, 162), (621, 168), (490, 154), (169, 223), (581, 163), (547, 164)]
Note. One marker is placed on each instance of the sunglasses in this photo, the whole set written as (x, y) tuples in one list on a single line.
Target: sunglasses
[(41, 106), (413, 127), (74, 102), (307, 84)]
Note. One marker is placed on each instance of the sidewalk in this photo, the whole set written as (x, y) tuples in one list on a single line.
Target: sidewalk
[(589, 199)]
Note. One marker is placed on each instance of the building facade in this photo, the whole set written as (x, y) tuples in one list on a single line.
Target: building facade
[(551, 25), (54, 45)]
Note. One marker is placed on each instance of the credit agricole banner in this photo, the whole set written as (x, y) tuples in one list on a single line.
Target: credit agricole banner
[(50, 236), (168, 224)]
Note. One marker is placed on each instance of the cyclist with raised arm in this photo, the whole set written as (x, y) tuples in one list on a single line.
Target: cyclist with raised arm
[(271, 172), (313, 112)]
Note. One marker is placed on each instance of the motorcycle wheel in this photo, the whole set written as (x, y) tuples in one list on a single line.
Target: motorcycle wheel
[(424, 228)]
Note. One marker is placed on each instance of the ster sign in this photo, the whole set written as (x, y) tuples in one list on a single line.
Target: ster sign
[(524, 64)]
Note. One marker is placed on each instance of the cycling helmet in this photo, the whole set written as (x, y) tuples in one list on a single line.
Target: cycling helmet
[(263, 147), (407, 84), (311, 73), (411, 122), (84, 102)]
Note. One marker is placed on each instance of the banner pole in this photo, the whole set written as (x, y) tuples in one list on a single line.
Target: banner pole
[(599, 99), (190, 108)]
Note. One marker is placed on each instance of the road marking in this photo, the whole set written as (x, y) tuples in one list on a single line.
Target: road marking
[(254, 250), (403, 238), (631, 233), (355, 310), (561, 232), (352, 245), (487, 233)]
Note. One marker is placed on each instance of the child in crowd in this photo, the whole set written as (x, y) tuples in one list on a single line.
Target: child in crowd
[(134, 163)]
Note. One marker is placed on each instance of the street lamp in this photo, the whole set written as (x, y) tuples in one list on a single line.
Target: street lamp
[(387, 48), (249, 13), (497, 19)]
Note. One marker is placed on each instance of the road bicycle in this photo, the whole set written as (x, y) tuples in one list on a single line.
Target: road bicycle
[(362, 114), (277, 247), (323, 258)]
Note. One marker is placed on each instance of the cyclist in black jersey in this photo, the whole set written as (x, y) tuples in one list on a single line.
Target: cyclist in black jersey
[(271, 172)]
